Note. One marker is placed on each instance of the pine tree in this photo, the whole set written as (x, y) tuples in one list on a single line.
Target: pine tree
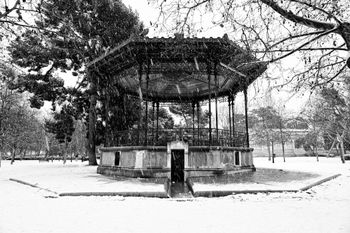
[(75, 33)]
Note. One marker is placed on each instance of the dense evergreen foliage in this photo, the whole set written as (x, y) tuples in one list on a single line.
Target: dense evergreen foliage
[(74, 33)]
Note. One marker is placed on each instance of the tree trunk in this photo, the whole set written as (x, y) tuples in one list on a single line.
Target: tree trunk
[(283, 153), (337, 149), (45, 156), (282, 142), (24, 154), (37, 155), (341, 145), (342, 150), (273, 152), (91, 147), (13, 155), (330, 150), (65, 151), (268, 148), (293, 147)]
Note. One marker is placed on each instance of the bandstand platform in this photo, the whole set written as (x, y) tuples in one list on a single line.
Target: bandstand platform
[(193, 71)]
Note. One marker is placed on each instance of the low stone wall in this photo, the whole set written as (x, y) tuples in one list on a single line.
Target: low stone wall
[(134, 157), (155, 161), (219, 157)]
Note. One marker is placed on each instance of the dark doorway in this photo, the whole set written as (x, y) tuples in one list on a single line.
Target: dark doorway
[(236, 158), (177, 165), (117, 158)]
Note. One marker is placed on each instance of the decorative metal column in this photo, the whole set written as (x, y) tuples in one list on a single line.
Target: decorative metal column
[(140, 104), (246, 115), (108, 137), (229, 117), (193, 118), (216, 104), (157, 121), (198, 121), (233, 97), (146, 120), (153, 112), (209, 87)]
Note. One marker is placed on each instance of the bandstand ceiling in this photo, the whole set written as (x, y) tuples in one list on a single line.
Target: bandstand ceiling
[(177, 69)]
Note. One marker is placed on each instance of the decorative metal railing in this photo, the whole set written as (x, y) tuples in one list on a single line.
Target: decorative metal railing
[(195, 137)]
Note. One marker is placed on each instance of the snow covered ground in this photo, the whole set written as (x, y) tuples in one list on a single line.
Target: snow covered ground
[(324, 208), (75, 176)]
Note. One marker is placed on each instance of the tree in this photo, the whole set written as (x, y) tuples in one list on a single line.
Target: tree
[(78, 143), (20, 130), (18, 124), (297, 123), (267, 120), (62, 126), (165, 120), (329, 116), (76, 33), (283, 121), (185, 111), (316, 32), (337, 116)]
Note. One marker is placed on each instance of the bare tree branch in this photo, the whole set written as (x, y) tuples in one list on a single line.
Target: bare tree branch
[(297, 19), (319, 9), (303, 45)]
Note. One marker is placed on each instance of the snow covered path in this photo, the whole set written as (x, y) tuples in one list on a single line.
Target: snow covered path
[(325, 208)]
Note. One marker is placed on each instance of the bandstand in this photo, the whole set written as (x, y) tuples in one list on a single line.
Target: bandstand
[(196, 71)]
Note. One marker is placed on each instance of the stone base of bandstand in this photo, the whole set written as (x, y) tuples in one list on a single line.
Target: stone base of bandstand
[(156, 162)]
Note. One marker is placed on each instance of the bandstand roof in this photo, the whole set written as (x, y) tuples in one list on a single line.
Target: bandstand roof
[(177, 68)]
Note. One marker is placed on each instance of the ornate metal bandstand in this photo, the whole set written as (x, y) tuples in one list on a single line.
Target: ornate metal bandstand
[(195, 71)]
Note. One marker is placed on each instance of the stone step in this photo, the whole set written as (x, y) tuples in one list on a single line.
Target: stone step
[(180, 190)]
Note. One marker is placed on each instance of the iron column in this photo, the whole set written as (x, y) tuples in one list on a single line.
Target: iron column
[(246, 115)]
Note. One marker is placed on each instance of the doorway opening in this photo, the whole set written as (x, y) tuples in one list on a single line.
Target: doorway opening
[(236, 158), (116, 158), (177, 166)]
